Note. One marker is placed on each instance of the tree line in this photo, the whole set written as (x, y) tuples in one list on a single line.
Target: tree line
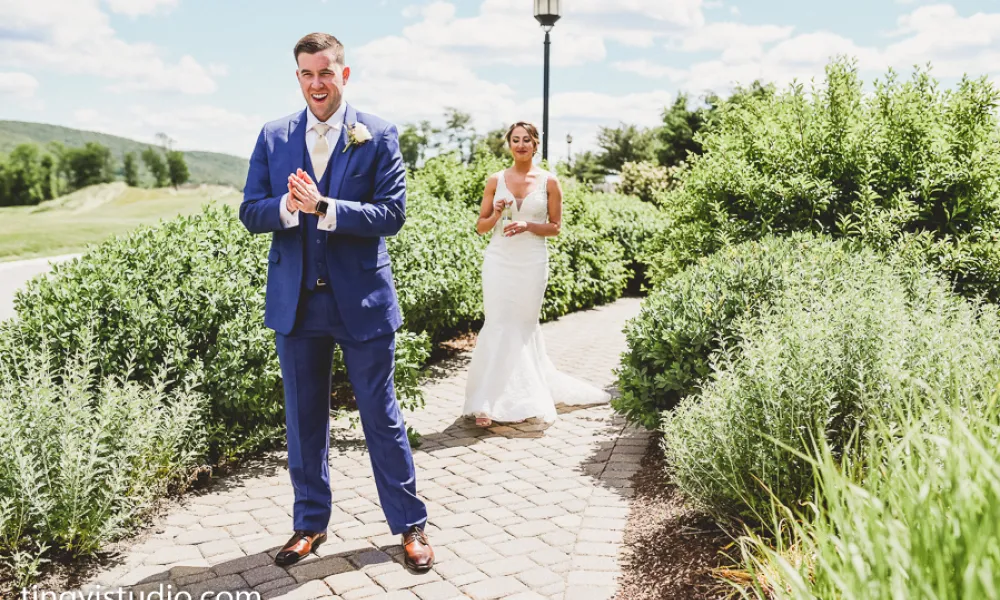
[(668, 144), (32, 173)]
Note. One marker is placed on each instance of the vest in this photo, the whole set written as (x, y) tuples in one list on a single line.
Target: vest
[(314, 240)]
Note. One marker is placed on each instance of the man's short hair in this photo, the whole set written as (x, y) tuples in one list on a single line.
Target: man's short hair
[(318, 42)]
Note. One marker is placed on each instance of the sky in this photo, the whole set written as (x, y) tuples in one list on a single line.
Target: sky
[(210, 73)]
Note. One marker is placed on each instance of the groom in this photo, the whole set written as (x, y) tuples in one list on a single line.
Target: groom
[(329, 183)]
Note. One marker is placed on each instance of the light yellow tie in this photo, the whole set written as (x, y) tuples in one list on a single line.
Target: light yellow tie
[(320, 153)]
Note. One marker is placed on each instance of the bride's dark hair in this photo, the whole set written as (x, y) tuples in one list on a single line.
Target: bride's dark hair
[(531, 129)]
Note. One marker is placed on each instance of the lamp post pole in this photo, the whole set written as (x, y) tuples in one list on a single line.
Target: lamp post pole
[(569, 150), (546, 13), (545, 102)]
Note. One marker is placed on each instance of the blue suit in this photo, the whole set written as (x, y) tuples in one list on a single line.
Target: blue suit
[(358, 310)]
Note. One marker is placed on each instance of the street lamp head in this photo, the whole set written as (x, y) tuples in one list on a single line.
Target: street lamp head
[(569, 138), (547, 13)]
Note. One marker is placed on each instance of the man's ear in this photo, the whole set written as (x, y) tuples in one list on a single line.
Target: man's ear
[(347, 73)]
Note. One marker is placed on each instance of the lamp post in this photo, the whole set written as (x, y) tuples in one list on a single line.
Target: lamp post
[(569, 150), (546, 13)]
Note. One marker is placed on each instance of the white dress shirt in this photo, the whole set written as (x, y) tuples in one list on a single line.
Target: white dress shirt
[(336, 124)]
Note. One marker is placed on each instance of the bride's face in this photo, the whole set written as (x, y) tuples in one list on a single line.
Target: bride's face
[(521, 144)]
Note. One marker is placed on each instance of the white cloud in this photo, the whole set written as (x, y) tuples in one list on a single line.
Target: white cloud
[(938, 34), (953, 43), (134, 8), (404, 81), (732, 38), (18, 85), (75, 37), (649, 69), (498, 34), (201, 126)]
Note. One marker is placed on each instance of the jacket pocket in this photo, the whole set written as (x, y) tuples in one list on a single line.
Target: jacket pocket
[(274, 256)]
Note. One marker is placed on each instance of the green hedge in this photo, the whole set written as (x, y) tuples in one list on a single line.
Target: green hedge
[(844, 340)]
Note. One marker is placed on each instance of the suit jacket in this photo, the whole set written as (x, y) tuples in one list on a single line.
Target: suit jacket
[(368, 183)]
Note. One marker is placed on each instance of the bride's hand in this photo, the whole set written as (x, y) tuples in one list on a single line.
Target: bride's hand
[(515, 228), (499, 204)]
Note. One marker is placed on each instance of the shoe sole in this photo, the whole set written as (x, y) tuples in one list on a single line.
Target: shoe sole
[(288, 564), (418, 569)]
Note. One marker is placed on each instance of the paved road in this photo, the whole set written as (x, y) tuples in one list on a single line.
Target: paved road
[(520, 511), (13, 275)]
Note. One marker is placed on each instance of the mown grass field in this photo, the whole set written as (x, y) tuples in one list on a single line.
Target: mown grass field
[(68, 224)]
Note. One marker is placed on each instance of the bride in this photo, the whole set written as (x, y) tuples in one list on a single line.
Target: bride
[(511, 378)]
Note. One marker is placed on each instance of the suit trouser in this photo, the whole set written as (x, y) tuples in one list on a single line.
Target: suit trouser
[(306, 357)]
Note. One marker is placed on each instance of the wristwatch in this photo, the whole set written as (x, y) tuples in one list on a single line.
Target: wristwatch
[(321, 207)]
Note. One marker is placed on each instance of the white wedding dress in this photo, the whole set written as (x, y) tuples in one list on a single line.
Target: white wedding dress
[(511, 378)]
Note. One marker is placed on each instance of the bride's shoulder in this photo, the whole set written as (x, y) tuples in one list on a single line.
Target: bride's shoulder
[(547, 175)]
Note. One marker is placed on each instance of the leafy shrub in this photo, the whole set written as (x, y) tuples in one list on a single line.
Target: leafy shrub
[(437, 263), (833, 352), (82, 458), (585, 270), (645, 180), (695, 313), (910, 159), (920, 513), (632, 224), (452, 180)]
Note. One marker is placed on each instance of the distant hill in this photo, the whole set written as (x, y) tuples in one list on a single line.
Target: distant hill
[(205, 167)]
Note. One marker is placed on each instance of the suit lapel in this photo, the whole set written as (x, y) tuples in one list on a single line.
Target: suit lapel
[(340, 159), (298, 154)]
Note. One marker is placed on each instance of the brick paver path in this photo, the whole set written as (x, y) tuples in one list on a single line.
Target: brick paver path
[(519, 511)]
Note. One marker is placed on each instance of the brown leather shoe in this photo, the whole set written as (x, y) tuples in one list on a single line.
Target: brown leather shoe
[(298, 547), (419, 554)]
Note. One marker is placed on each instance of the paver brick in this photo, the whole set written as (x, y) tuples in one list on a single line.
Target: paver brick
[(496, 587)]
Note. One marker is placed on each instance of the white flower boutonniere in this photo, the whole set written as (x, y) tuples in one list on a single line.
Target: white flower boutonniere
[(357, 135)]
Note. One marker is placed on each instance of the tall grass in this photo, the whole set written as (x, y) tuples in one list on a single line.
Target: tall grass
[(81, 458), (919, 517), (818, 367)]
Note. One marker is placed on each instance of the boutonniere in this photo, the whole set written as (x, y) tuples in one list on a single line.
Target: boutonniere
[(356, 135)]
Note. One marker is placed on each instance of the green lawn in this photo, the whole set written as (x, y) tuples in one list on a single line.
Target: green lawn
[(67, 225)]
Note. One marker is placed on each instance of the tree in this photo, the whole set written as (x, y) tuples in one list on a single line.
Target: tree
[(413, 142), (177, 168), (623, 144), (676, 136), (62, 174), (23, 176), (588, 167), (156, 166), (460, 136), (130, 169), (495, 143), (50, 177), (166, 142), (89, 165)]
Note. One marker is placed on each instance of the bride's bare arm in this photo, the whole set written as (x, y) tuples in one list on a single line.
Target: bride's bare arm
[(552, 228), (488, 212)]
